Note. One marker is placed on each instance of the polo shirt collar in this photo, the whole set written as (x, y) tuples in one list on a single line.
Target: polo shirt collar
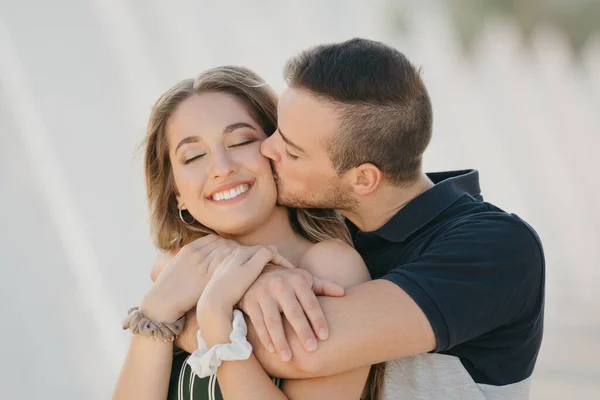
[(449, 187)]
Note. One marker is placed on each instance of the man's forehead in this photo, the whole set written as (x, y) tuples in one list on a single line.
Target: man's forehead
[(305, 117), (295, 98)]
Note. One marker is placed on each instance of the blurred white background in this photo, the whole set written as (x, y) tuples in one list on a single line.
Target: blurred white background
[(516, 93)]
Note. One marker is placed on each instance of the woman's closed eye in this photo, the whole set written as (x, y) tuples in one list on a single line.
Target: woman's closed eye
[(250, 141), (193, 158)]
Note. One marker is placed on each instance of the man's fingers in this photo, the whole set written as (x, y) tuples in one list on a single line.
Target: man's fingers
[(255, 314), (314, 312), (293, 311), (274, 325), (325, 287)]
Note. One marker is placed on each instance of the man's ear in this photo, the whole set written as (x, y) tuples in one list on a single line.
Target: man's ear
[(365, 178)]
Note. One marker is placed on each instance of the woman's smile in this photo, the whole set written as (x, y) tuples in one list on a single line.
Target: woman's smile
[(231, 193)]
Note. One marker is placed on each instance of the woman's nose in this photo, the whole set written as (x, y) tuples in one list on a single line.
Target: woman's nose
[(222, 165)]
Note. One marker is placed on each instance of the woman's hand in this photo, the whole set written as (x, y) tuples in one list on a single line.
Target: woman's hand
[(183, 279), (234, 274)]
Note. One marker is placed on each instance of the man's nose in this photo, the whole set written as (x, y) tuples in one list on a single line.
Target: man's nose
[(267, 149)]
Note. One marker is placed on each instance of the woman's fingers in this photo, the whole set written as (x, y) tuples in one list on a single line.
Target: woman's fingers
[(278, 259)]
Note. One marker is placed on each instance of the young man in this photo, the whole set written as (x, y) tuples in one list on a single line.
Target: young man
[(457, 294), (455, 307)]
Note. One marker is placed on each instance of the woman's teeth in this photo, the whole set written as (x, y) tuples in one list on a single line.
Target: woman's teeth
[(231, 193)]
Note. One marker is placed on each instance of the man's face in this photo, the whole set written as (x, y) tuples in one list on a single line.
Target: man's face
[(303, 171)]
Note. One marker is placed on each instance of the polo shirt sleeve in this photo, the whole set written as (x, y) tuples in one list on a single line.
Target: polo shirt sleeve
[(483, 272)]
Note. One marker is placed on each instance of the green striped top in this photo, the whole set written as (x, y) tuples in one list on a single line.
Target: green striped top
[(185, 385)]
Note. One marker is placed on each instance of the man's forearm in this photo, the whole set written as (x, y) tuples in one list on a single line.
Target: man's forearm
[(374, 322)]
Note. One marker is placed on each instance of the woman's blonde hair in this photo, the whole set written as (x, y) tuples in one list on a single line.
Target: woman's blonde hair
[(169, 232)]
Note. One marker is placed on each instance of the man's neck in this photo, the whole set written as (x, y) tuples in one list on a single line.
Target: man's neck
[(379, 207)]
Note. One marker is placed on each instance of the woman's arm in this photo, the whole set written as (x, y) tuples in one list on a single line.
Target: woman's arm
[(247, 379), (147, 368), (237, 379), (187, 339), (145, 374)]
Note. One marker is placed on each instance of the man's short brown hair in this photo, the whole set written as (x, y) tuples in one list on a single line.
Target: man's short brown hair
[(384, 107)]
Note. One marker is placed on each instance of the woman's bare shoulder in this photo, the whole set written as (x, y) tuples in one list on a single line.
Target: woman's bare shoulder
[(335, 260)]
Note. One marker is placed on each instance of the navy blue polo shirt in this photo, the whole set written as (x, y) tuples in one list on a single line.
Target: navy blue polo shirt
[(477, 273)]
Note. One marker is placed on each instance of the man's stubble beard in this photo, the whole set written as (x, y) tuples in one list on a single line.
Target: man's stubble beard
[(332, 198)]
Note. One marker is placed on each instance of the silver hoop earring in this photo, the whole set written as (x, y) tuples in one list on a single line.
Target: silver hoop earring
[(183, 220)]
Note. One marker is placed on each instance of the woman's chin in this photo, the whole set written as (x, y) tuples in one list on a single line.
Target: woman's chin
[(239, 229)]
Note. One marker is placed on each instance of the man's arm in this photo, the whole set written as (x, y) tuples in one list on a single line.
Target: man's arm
[(374, 322), (328, 287), (485, 272)]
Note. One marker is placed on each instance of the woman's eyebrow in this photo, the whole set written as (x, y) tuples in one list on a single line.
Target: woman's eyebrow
[(237, 125)]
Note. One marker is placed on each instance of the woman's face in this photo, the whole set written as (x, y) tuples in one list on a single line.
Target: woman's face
[(220, 175)]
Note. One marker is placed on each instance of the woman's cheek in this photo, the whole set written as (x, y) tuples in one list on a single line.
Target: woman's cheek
[(190, 180), (250, 160)]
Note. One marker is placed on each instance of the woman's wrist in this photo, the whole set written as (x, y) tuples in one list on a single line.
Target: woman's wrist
[(215, 322), (221, 338), (159, 311)]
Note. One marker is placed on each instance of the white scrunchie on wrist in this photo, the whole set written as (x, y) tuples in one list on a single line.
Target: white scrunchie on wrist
[(205, 362)]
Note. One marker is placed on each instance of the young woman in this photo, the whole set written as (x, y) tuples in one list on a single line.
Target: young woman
[(205, 176)]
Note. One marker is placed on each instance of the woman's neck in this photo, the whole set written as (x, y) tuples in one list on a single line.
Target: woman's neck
[(277, 231)]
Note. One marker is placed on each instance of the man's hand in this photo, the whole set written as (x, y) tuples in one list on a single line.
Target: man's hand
[(293, 292)]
